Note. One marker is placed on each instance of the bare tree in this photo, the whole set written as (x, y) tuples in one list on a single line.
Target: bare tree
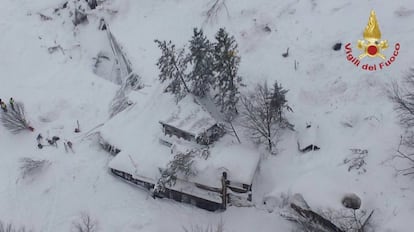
[(262, 116), (403, 99), (402, 95), (216, 6), (85, 223), (8, 227), (218, 228), (14, 119), (407, 156)]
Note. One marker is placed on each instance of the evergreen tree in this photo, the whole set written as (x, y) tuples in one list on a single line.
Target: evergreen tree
[(181, 164), (201, 58), (226, 64), (278, 102), (172, 65)]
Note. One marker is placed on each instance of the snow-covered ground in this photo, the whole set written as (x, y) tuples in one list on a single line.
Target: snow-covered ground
[(327, 90)]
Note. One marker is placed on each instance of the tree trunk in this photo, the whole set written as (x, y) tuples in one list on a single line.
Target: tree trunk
[(270, 144), (235, 133), (182, 78)]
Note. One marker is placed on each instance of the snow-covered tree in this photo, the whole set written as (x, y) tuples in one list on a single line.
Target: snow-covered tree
[(14, 119), (172, 65), (262, 113), (201, 57), (181, 164), (31, 167), (226, 64), (278, 103), (85, 223), (78, 9)]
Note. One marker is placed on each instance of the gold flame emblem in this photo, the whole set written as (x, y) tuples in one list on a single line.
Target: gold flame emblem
[(372, 44)]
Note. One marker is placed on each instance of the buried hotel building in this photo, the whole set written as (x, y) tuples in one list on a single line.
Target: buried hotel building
[(223, 175)]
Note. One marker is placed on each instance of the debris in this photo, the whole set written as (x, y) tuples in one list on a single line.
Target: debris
[(77, 130), (52, 142), (356, 161), (337, 46), (286, 54), (53, 49), (44, 17)]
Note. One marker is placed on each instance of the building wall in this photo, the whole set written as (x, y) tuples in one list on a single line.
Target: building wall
[(171, 194)]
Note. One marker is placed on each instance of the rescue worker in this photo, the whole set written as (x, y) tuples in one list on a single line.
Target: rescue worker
[(11, 102), (70, 144), (3, 106), (39, 138)]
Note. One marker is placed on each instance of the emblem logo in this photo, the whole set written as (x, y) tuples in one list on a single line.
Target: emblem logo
[(372, 46)]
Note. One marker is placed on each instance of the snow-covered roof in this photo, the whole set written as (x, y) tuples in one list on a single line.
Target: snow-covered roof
[(308, 135), (238, 161), (190, 116), (136, 132)]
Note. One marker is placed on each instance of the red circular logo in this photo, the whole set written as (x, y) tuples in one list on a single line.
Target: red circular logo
[(372, 50)]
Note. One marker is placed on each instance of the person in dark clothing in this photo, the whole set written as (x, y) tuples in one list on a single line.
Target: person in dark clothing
[(39, 138), (70, 144)]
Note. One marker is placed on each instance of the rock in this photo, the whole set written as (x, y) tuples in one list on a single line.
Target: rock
[(351, 201)]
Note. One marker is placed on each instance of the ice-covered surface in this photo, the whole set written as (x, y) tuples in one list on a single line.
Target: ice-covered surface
[(60, 88)]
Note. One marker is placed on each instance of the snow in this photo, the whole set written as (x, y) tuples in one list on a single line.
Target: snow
[(60, 88), (144, 161), (190, 116)]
